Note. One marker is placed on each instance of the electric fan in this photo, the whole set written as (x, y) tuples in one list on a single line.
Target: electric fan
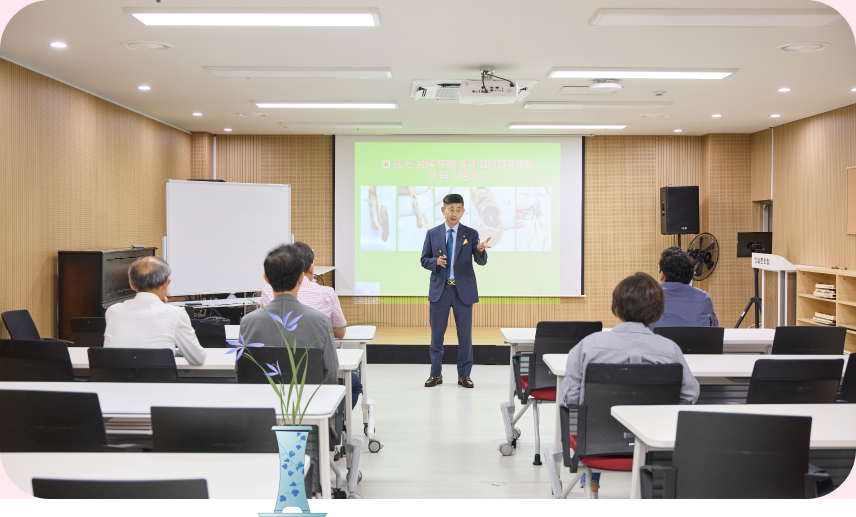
[(704, 249)]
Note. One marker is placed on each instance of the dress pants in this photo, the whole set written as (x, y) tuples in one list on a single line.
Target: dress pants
[(439, 316)]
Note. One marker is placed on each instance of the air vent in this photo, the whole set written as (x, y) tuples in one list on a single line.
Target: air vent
[(146, 46), (440, 91)]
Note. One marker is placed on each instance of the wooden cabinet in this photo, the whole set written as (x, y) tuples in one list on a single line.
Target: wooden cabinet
[(843, 307)]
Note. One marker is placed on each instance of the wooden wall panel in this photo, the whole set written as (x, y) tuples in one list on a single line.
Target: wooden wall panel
[(201, 156), (77, 173), (811, 157), (762, 162)]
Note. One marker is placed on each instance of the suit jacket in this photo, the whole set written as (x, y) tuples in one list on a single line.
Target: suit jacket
[(465, 254), (258, 327)]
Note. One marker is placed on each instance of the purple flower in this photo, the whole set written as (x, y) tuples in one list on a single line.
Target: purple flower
[(241, 346), (274, 370), (289, 325)]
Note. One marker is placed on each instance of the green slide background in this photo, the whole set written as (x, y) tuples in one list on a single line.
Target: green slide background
[(507, 273)]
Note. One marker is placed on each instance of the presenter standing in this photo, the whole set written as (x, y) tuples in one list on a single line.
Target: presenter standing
[(449, 252)]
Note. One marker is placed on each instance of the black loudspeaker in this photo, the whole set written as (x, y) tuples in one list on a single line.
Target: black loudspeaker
[(679, 210)]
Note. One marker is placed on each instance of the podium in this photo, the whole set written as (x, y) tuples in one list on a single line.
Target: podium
[(778, 290)]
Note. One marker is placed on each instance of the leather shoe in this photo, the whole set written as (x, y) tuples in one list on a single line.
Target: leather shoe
[(433, 381), (465, 381)]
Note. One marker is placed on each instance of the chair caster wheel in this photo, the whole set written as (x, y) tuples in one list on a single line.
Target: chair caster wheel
[(514, 443), (366, 429), (537, 460), (506, 449), (338, 493), (515, 433), (359, 475), (375, 446)]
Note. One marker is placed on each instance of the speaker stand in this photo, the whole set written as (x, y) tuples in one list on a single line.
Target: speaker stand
[(754, 300)]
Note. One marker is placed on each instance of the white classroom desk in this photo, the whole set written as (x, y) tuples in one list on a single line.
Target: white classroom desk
[(701, 366), (135, 400), (357, 336), (229, 476), (833, 426)]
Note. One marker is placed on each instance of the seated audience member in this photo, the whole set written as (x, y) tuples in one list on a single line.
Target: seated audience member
[(638, 302), (686, 306), (322, 298), (283, 271), (146, 321)]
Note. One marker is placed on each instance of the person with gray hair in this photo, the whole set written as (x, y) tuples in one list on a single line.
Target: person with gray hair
[(146, 321)]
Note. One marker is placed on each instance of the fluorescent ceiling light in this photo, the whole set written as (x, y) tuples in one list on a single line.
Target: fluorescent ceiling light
[(58, 44), (144, 87), (326, 105), (713, 17), (641, 73), (528, 125), (716, 115), (784, 89), (853, 89), (775, 116), (227, 129), (197, 114), (257, 17), (679, 131), (599, 105), (350, 125), (277, 72)]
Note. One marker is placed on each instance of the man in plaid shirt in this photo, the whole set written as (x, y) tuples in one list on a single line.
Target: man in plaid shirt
[(321, 298)]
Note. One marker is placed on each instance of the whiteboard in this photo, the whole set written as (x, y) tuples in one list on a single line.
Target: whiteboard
[(218, 234)]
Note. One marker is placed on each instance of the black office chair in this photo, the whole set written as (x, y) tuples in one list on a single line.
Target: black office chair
[(538, 384), (601, 442), (184, 429), (160, 489), (21, 326), (89, 332), (132, 365), (695, 340), (737, 456), (50, 421), (795, 381), (34, 361), (848, 383), (809, 340), (249, 373), (210, 335)]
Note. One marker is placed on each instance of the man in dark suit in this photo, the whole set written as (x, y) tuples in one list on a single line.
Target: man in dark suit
[(449, 252)]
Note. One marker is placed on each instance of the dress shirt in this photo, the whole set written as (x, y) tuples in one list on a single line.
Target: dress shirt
[(316, 296), (627, 343), (146, 322), (451, 252), (686, 306)]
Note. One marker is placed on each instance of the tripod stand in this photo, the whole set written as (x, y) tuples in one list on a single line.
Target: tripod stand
[(754, 300)]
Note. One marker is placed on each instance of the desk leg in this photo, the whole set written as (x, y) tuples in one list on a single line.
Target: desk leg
[(349, 427), (324, 457), (557, 436), (368, 403), (511, 383), (640, 450)]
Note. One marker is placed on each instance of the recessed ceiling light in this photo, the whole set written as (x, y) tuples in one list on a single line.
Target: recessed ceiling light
[(326, 105), (600, 105), (803, 47), (257, 17), (284, 72), (227, 129), (197, 114), (853, 89), (775, 116), (58, 44), (528, 125), (654, 115), (716, 115), (146, 45), (608, 85), (714, 17), (640, 73), (679, 131), (252, 114), (349, 125), (784, 89), (144, 87)]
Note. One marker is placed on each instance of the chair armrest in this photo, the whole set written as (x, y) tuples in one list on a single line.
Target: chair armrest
[(817, 483), (568, 460), (518, 386), (646, 477)]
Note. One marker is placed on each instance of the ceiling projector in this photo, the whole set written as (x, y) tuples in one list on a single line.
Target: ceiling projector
[(488, 91)]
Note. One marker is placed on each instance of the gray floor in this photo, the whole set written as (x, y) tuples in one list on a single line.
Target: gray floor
[(442, 442)]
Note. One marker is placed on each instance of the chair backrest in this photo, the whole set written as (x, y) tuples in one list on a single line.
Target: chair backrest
[(132, 365), (89, 332), (34, 361), (20, 325), (160, 489), (50, 421), (607, 385), (695, 340), (210, 335), (249, 373), (795, 381), (555, 337), (848, 384), (809, 340), (731, 456), (184, 429)]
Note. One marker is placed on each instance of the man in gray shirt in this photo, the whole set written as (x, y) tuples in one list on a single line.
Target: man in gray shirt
[(283, 271)]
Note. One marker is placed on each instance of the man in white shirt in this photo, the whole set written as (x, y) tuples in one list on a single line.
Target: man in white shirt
[(146, 321)]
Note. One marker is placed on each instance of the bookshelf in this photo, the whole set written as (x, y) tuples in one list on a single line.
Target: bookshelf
[(843, 307)]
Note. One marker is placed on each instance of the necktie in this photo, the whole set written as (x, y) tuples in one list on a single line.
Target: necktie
[(450, 243)]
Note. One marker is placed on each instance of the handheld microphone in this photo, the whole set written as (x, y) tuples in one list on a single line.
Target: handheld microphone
[(440, 251)]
